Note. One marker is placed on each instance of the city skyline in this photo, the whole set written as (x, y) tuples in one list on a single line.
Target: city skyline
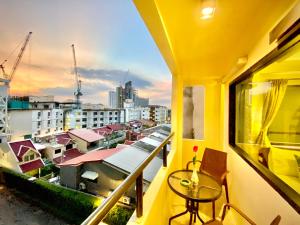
[(108, 54)]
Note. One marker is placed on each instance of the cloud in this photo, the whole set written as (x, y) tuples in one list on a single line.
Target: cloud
[(116, 76), (60, 91)]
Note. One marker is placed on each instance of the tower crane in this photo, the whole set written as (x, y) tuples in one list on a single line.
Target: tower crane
[(7, 78), (77, 92), (4, 90)]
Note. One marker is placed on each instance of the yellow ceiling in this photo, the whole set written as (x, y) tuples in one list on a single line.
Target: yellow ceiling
[(208, 49)]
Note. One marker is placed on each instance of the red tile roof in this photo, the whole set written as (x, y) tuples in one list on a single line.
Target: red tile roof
[(19, 148), (31, 165), (86, 135), (63, 139), (115, 127), (103, 131), (92, 156), (68, 155), (23, 149)]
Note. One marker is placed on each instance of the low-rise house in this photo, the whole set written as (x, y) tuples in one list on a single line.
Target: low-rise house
[(113, 134), (86, 172), (21, 156), (86, 140), (61, 148), (100, 172)]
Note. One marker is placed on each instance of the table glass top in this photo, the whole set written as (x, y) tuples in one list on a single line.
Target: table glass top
[(207, 189)]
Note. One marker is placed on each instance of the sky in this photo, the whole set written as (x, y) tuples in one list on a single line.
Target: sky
[(111, 41)]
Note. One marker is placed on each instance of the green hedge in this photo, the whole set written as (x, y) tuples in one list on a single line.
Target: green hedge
[(118, 216), (49, 169), (70, 205)]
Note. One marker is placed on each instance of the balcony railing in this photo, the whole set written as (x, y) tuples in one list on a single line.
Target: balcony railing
[(136, 176)]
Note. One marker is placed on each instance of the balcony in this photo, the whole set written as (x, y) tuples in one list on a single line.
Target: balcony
[(209, 53)]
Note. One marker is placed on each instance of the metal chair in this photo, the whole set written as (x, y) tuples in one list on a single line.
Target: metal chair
[(227, 206), (214, 163)]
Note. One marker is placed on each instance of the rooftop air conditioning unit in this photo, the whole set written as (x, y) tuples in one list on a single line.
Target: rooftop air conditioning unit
[(125, 200)]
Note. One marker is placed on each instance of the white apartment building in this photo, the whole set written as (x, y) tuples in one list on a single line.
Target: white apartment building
[(146, 113), (89, 118), (158, 114), (133, 114), (26, 123), (155, 113)]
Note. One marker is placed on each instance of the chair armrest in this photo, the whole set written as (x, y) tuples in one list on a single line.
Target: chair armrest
[(228, 205), (189, 163)]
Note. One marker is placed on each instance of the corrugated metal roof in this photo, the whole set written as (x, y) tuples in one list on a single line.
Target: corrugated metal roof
[(130, 158)]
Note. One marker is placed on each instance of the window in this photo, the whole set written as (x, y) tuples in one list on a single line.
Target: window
[(95, 119), (84, 113), (95, 113), (84, 119), (29, 157), (265, 120), (101, 113), (57, 151)]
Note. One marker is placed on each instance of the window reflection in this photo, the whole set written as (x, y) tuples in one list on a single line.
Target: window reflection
[(268, 117)]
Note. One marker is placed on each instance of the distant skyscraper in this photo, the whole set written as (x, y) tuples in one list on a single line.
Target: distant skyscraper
[(120, 97), (142, 102), (128, 90), (112, 100)]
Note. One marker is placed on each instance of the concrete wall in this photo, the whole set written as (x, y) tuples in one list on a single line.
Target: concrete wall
[(109, 178), (69, 176), (20, 123), (81, 144)]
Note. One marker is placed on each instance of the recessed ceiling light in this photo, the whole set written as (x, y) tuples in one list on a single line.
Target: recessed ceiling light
[(208, 8)]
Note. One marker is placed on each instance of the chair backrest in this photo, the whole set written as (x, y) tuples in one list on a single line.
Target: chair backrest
[(214, 162), (276, 220)]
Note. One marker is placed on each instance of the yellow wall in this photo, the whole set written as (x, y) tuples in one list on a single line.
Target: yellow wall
[(248, 190)]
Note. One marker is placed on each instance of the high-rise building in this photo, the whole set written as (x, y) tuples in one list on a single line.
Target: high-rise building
[(128, 90), (112, 100), (120, 97)]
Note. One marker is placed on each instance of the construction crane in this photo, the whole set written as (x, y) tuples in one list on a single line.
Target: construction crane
[(7, 78), (4, 91), (77, 92)]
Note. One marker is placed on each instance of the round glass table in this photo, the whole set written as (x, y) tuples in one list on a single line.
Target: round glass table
[(207, 190)]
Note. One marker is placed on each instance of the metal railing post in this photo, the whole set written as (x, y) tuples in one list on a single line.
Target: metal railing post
[(139, 196), (165, 155)]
